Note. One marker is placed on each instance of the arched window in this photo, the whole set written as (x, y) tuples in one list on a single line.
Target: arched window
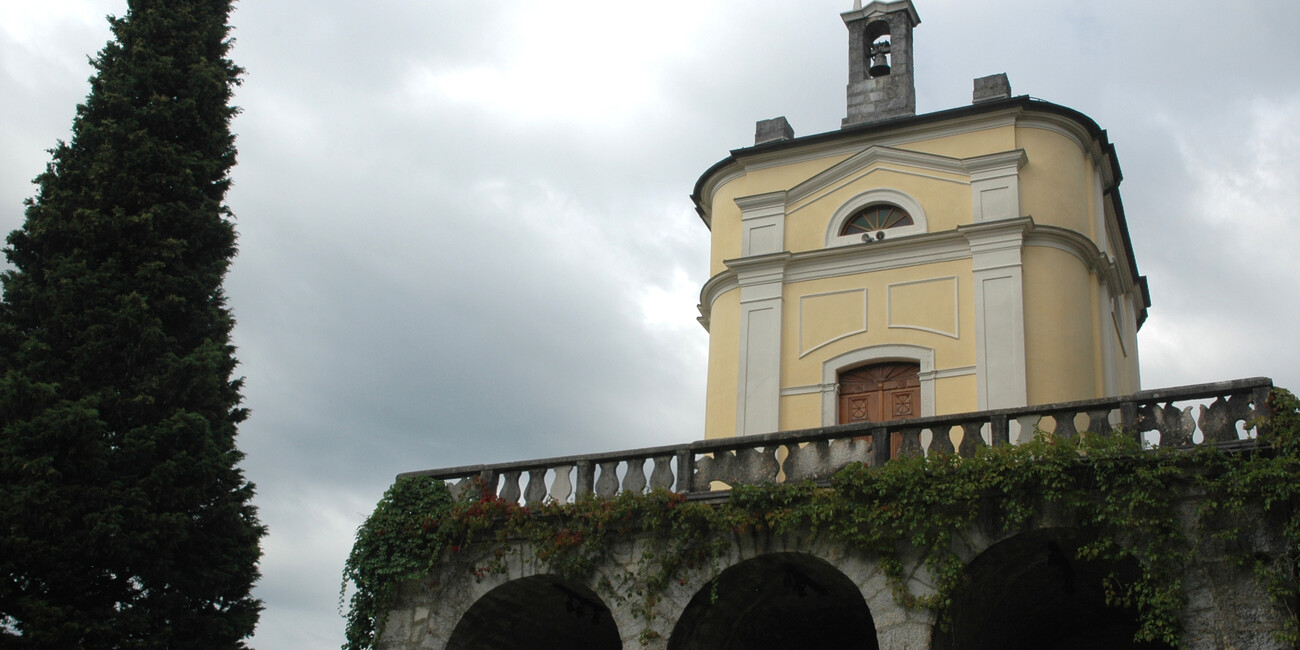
[(875, 218), (879, 210)]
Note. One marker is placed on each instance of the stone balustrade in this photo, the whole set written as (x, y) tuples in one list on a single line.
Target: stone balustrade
[(1161, 417)]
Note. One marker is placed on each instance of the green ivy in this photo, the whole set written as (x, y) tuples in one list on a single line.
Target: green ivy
[(910, 507), (400, 541)]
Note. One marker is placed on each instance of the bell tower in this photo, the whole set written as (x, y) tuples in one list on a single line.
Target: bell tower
[(882, 82), (907, 265)]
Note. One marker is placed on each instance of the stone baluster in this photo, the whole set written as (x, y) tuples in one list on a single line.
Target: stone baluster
[(634, 479), (1175, 425), (941, 440), (752, 465), (999, 431), (1219, 422), (685, 471), (490, 479), (662, 476), (911, 444), (561, 488), (1028, 427), (1099, 421), (607, 484), (1262, 408), (1130, 416), (535, 493), (879, 446), (972, 438), (461, 489), (510, 491), (1064, 425), (586, 478)]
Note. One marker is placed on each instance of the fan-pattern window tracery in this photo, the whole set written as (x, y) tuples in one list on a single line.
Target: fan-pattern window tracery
[(875, 218)]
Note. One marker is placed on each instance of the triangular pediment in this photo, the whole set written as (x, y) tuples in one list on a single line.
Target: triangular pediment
[(875, 156)]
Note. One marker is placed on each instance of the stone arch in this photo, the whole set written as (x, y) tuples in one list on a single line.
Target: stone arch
[(1030, 591), (541, 611), (777, 600)]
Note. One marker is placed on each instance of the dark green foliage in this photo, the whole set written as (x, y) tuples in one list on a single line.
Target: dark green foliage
[(126, 521), (398, 542)]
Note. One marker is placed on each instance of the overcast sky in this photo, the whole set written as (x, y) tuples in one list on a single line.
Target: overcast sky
[(465, 235)]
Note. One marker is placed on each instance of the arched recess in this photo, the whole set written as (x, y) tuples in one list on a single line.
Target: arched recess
[(776, 602), (831, 368), (1031, 592), (538, 612), (882, 195)]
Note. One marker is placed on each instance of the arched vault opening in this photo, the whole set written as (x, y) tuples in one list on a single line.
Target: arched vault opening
[(776, 602), (537, 613), (1031, 592)]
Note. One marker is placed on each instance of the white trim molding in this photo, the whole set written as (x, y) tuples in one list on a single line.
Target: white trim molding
[(956, 307), (922, 356), (842, 335)]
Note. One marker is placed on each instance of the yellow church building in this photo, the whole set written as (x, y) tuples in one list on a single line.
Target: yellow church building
[(915, 265)]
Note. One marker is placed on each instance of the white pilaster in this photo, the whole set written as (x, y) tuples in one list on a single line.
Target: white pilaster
[(995, 185), (759, 378), (762, 220), (999, 311)]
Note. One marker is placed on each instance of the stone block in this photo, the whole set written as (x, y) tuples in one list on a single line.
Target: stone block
[(992, 87), (776, 129)]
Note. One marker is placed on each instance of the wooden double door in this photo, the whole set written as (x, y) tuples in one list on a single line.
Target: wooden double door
[(881, 392)]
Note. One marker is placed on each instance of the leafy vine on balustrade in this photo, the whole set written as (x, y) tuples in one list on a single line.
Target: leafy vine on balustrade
[(1110, 484)]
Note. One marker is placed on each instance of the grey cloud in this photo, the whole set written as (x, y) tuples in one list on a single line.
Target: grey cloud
[(434, 283)]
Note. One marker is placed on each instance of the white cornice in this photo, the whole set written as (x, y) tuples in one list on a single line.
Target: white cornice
[(1069, 128), (915, 250), (728, 173), (851, 143), (995, 164), (925, 248), (1098, 263), (880, 8), (759, 206)]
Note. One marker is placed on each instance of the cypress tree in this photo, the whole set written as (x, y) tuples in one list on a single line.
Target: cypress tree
[(125, 521)]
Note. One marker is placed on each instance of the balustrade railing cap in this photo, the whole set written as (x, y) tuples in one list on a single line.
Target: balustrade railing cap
[(1179, 393)]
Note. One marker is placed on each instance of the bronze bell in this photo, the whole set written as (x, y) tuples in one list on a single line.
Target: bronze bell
[(879, 65), (879, 62)]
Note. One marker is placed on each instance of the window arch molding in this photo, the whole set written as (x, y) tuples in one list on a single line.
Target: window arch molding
[(867, 199), (831, 368)]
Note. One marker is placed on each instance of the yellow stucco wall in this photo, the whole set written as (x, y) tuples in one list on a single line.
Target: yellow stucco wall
[(801, 366), (967, 144), (1060, 359), (724, 363), (1055, 183)]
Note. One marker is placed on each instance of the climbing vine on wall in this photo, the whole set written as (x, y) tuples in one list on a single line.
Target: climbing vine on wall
[(1111, 485)]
